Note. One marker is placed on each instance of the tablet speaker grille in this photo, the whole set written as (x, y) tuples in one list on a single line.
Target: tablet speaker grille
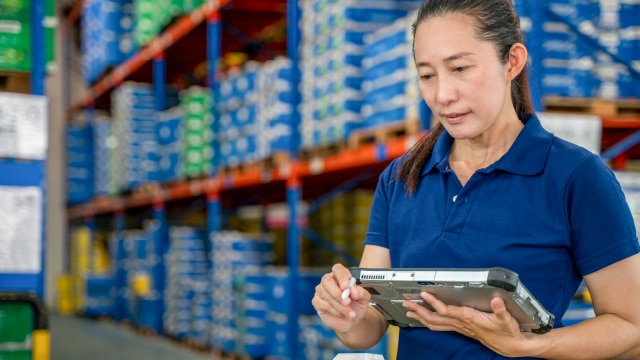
[(387, 292), (373, 277)]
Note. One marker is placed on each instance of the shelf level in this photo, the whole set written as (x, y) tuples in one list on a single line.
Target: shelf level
[(367, 155)]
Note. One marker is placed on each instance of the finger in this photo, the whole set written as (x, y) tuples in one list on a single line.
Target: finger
[(437, 305), (331, 294), (342, 275)]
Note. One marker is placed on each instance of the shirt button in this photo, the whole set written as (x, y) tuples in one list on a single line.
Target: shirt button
[(455, 197)]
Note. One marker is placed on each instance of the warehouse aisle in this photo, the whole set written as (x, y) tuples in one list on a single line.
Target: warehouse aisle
[(74, 338)]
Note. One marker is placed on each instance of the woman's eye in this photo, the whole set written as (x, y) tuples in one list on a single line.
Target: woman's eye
[(459, 69), (426, 77)]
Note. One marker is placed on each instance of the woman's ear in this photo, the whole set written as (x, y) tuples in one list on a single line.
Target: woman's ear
[(517, 60)]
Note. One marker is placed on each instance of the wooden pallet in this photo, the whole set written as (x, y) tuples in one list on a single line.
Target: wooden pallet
[(264, 165), (322, 151), (383, 133), (17, 82), (590, 106)]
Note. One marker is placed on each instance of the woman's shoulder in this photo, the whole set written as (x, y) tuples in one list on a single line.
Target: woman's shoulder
[(571, 159)]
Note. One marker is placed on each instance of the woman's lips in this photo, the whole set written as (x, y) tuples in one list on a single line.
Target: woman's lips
[(454, 118)]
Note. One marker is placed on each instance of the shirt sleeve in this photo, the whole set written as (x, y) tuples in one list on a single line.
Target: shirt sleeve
[(377, 232), (601, 224)]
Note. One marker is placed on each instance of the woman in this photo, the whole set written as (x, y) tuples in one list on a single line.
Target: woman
[(488, 186)]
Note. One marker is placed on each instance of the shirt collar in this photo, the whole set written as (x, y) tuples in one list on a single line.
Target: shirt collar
[(527, 155)]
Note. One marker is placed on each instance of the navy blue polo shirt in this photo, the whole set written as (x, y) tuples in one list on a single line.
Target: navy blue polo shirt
[(548, 209)]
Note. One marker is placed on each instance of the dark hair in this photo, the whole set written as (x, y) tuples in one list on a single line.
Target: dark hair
[(495, 21)]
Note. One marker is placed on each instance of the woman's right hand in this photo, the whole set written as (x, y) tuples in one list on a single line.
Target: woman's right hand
[(341, 315)]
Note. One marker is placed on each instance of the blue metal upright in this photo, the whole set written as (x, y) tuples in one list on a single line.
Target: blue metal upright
[(294, 185), (38, 62), (294, 196), (160, 82), (536, 54), (214, 52), (293, 44), (214, 213)]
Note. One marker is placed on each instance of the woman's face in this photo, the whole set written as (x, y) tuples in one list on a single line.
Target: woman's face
[(461, 78)]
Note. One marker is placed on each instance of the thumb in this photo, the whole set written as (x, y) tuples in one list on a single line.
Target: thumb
[(500, 309)]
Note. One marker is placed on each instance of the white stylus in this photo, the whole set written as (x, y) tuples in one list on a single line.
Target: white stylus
[(346, 292)]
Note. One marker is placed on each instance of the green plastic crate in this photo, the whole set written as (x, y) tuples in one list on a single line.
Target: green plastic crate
[(16, 327)]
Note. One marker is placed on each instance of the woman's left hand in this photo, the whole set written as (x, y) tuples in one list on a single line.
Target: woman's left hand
[(498, 330)]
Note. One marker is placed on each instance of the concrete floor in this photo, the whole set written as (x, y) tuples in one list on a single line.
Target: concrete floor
[(74, 338)]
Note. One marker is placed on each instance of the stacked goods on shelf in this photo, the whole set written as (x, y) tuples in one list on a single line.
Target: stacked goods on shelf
[(187, 294), (233, 255), (137, 282), (80, 166), (343, 221), (153, 16), (107, 36), (318, 342), (196, 136), (589, 48), (255, 112), (390, 84), (134, 127), (15, 35), (79, 265), (99, 295), (274, 108), (103, 149), (88, 287), (331, 53), (121, 246), (281, 297), (99, 287), (169, 145)]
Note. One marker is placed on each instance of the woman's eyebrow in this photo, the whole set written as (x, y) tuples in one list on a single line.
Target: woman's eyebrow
[(447, 59)]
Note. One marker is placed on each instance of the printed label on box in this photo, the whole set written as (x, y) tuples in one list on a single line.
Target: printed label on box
[(23, 126)]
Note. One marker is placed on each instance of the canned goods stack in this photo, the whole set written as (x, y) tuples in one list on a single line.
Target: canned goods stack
[(152, 16), (107, 36), (80, 166), (234, 254), (589, 47), (331, 54), (169, 145), (236, 107), (275, 110), (196, 137), (134, 127), (187, 294), (103, 146), (390, 85), (255, 112), (119, 255)]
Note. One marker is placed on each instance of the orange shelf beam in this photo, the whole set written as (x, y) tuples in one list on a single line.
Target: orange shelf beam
[(157, 46), (363, 156), (621, 123)]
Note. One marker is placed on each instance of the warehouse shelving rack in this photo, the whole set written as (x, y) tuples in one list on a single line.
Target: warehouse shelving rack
[(30, 172), (26, 291), (291, 181)]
